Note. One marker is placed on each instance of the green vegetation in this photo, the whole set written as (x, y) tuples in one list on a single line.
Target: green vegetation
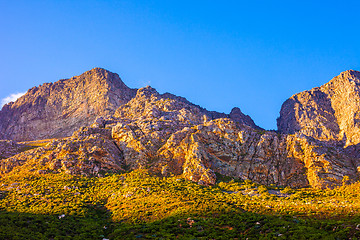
[(136, 205)]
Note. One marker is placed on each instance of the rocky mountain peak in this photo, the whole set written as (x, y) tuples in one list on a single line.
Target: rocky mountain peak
[(147, 92), (347, 79), (235, 111), (330, 112), (104, 76), (350, 74), (239, 117), (58, 109)]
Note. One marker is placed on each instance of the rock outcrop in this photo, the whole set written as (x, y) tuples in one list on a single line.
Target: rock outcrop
[(328, 113), (55, 110), (89, 152), (235, 113), (232, 149)]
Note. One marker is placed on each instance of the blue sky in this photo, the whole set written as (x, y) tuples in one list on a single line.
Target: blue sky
[(218, 54)]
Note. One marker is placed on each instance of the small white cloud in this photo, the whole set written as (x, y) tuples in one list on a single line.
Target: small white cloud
[(11, 98)]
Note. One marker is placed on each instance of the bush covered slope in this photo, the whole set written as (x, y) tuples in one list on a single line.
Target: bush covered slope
[(139, 206)]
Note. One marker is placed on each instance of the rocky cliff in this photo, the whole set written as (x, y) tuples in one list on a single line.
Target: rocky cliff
[(55, 110), (330, 112)]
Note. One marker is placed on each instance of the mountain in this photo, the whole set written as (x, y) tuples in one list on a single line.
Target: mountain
[(168, 135)]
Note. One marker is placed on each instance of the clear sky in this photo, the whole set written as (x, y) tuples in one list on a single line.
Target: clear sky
[(218, 54)]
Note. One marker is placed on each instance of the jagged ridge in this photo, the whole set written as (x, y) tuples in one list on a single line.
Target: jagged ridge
[(55, 110)]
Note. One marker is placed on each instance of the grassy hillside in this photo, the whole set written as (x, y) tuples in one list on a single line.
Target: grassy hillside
[(136, 205)]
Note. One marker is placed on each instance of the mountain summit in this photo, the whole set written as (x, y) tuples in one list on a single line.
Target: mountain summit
[(55, 110), (330, 112)]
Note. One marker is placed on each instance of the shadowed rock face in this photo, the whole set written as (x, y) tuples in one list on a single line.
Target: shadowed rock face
[(330, 112), (55, 110), (9, 148)]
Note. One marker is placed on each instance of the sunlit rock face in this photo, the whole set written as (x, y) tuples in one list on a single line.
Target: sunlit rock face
[(330, 112), (57, 109), (89, 152), (195, 151), (236, 150), (169, 137), (330, 115)]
